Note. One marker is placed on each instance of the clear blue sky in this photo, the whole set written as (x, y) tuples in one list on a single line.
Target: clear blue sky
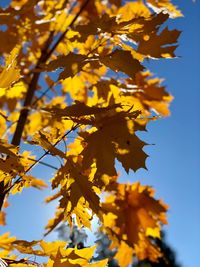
[(174, 160)]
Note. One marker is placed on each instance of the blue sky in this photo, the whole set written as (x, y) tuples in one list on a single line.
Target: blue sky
[(173, 165)]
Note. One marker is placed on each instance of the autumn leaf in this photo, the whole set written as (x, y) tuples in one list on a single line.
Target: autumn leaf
[(124, 255), (72, 64), (76, 258), (114, 25), (120, 60), (79, 109), (8, 149), (6, 242), (28, 181), (81, 187), (41, 139), (10, 73), (106, 144), (161, 45), (133, 205), (76, 194), (166, 6)]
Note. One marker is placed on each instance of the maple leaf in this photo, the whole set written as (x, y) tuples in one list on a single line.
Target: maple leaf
[(124, 255), (104, 24), (43, 141), (11, 72), (145, 249), (80, 187), (120, 60), (133, 205), (159, 45), (9, 168), (77, 193), (133, 10), (27, 181), (148, 92), (6, 242), (75, 258), (72, 64), (26, 247), (106, 144), (8, 149), (79, 109), (165, 6)]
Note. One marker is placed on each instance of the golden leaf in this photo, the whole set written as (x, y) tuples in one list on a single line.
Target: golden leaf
[(11, 72), (6, 242), (79, 109), (114, 139), (133, 10), (165, 6), (155, 45), (73, 63), (133, 205), (75, 258), (120, 60), (124, 255), (8, 149), (42, 140), (28, 181)]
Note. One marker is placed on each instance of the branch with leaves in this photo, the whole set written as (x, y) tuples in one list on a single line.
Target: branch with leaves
[(80, 67)]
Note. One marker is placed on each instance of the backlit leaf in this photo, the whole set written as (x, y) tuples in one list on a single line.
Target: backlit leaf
[(120, 60), (11, 72)]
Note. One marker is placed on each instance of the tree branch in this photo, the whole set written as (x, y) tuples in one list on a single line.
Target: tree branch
[(29, 96)]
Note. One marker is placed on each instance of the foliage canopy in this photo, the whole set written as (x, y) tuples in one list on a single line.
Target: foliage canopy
[(73, 82)]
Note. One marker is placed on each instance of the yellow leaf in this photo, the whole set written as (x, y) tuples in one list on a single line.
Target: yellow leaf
[(8, 149), (6, 242), (79, 109), (85, 253), (133, 205), (102, 263), (21, 265), (16, 91), (26, 247), (159, 45), (51, 248), (133, 10), (154, 232), (10, 73), (124, 254), (113, 140), (76, 87), (73, 63), (42, 140), (165, 6), (120, 60)]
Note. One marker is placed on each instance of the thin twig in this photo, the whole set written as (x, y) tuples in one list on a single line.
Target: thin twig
[(43, 163)]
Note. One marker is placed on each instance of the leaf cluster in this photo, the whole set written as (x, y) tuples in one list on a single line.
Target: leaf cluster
[(74, 86)]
